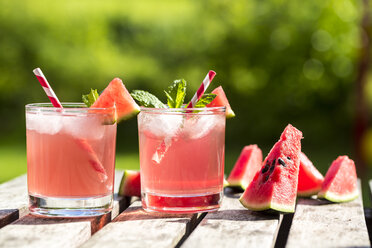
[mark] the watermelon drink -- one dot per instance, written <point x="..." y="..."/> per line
<point x="181" y="158"/>
<point x="70" y="159"/>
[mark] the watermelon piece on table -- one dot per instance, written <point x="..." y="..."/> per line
<point x="275" y="185"/>
<point x="221" y="100"/>
<point x="225" y="183"/>
<point x="130" y="184"/>
<point x="115" y="94"/>
<point x="309" y="178"/>
<point x="245" y="168"/>
<point x="340" y="183"/>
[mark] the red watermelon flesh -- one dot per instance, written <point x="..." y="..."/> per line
<point x="221" y="100"/>
<point x="115" y="94"/>
<point x="340" y="182"/>
<point x="130" y="184"/>
<point x="275" y="185"/>
<point x="309" y="178"/>
<point x="245" y="168"/>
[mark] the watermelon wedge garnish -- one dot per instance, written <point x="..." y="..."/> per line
<point x="130" y="184"/>
<point x="340" y="182"/>
<point x="115" y="94"/>
<point x="309" y="178"/>
<point x="246" y="167"/>
<point x="221" y="100"/>
<point x="275" y="185"/>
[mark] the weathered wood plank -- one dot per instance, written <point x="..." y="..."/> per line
<point x="34" y="231"/>
<point x="14" y="198"/>
<point x="137" y="228"/>
<point x="7" y="216"/>
<point x="318" y="223"/>
<point x="234" y="226"/>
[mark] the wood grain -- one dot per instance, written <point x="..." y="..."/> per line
<point x="8" y="216"/>
<point x="234" y="226"/>
<point x="137" y="228"/>
<point x="14" y="198"/>
<point x="35" y="231"/>
<point x="318" y="223"/>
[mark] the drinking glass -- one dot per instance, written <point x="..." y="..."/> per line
<point x="181" y="158"/>
<point x="70" y="159"/>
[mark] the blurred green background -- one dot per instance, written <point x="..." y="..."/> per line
<point x="279" y="62"/>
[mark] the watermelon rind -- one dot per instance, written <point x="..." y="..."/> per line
<point x="116" y="95"/>
<point x="221" y="100"/>
<point x="308" y="193"/>
<point x="265" y="206"/>
<point x="124" y="184"/>
<point x="330" y="196"/>
<point x="230" y="114"/>
<point x="225" y="183"/>
<point x="276" y="188"/>
<point x="245" y="167"/>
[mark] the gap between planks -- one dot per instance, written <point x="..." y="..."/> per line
<point x="234" y="226"/>
<point x="34" y="231"/>
<point x="138" y="228"/>
<point x="319" y="223"/>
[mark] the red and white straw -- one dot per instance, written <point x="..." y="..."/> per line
<point x="48" y="90"/>
<point x="93" y="158"/>
<point x="207" y="80"/>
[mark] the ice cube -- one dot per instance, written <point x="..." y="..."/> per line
<point x="198" y="126"/>
<point x="84" y="126"/>
<point x="164" y="125"/>
<point x="43" y="123"/>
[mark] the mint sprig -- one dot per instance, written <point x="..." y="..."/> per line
<point x="90" y="99"/>
<point x="204" y="100"/>
<point x="176" y="93"/>
<point x="147" y="99"/>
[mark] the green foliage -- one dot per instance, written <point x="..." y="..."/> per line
<point x="91" y="98"/>
<point x="279" y="61"/>
<point x="204" y="100"/>
<point x="146" y="99"/>
<point x="176" y="93"/>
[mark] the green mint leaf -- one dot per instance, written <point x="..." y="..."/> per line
<point x="176" y="93"/>
<point x="90" y="99"/>
<point x="204" y="100"/>
<point x="147" y="99"/>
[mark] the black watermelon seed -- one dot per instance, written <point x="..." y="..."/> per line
<point x="272" y="168"/>
<point x="267" y="178"/>
<point x="289" y="158"/>
<point x="280" y="161"/>
<point x="264" y="169"/>
<point x="273" y="163"/>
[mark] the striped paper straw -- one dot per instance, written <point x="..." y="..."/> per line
<point x="207" y="80"/>
<point x="93" y="158"/>
<point x="48" y="90"/>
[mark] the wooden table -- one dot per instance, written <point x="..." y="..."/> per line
<point x="314" y="224"/>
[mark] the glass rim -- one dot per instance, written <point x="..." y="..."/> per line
<point x="205" y="110"/>
<point x="68" y="107"/>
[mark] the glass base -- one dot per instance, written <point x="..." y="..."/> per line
<point x="70" y="207"/>
<point x="181" y="204"/>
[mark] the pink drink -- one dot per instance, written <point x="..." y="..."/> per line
<point x="182" y="159"/>
<point x="70" y="160"/>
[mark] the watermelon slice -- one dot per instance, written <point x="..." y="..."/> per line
<point x="225" y="183"/>
<point x="309" y="178"/>
<point x="117" y="95"/>
<point x="275" y="185"/>
<point x="340" y="182"/>
<point x="221" y="100"/>
<point x="130" y="184"/>
<point x="245" y="168"/>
